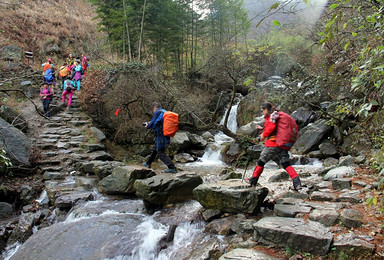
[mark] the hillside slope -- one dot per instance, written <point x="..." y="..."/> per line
<point x="52" y="28"/>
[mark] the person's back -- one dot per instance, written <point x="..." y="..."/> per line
<point x="161" y="141"/>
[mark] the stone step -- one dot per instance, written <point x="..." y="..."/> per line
<point x="53" y="175"/>
<point x="52" y="168"/>
<point x="50" y="162"/>
<point x="296" y="233"/>
<point x="50" y="154"/>
<point x="79" y="123"/>
<point x="45" y="146"/>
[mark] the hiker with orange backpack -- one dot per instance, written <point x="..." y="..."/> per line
<point x="160" y="139"/>
<point x="280" y="131"/>
<point x="64" y="72"/>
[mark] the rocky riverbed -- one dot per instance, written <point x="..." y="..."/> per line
<point x="93" y="207"/>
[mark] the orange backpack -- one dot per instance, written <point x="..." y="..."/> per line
<point x="46" y="66"/>
<point x="63" y="71"/>
<point x="170" y="123"/>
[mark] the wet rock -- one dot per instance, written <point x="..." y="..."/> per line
<point x="27" y="194"/>
<point x="23" y="229"/>
<point x="339" y="172"/>
<point x="322" y="196"/>
<point x="53" y="175"/>
<point x="241" y="253"/>
<point x="341" y="183"/>
<point x="84" y="239"/>
<point x="6" y="210"/>
<point x="234" y="149"/>
<point x="315" y="154"/>
<point x="280" y="175"/>
<point x="209" y="250"/>
<point x="98" y="134"/>
<point x="290" y="211"/>
<point x="327" y="217"/>
<point x="346" y="160"/>
<point x="351" y="218"/>
<point x="103" y="169"/>
<point x="87" y="182"/>
<point x="211" y="214"/>
<point x="183" y="158"/>
<point x="100" y="156"/>
<point x="67" y="201"/>
<point x="16" y="144"/>
<point x="122" y="179"/>
<point x="306" y="236"/>
<point x="231" y="196"/>
<point x="311" y="136"/>
<point x="220" y="226"/>
<point x="229" y="173"/>
<point x="197" y="141"/>
<point x="208" y="136"/>
<point x="328" y="149"/>
<point x="353" y="247"/>
<point x="165" y="189"/>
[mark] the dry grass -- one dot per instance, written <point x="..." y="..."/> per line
<point x="34" y="25"/>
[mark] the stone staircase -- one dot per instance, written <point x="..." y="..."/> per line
<point x="64" y="146"/>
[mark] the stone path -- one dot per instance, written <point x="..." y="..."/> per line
<point x="65" y="144"/>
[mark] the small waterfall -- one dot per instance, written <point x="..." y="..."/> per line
<point x="212" y="155"/>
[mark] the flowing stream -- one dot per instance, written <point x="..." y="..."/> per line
<point x="137" y="235"/>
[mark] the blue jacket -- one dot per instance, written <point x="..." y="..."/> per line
<point x="156" y="124"/>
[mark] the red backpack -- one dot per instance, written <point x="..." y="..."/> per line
<point x="170" y="123"/>
<point x="287" y="131"/>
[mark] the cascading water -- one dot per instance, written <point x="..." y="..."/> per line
<point x="212" y="155"/>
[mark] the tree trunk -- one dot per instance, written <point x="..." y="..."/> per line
<point x="128" y="38"/>
<point x="141" y="30"/>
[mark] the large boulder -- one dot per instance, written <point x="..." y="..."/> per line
<point x="295" y="233"/>
<point x="311" y="136"/>
<point x="11" y="53"/>
<point x="231" y="196"/>
<point x="303" y="116"/>
<point x="242" y="253"/>
<point x="165" y="189"/>
<point x="88" y="238"/>
<point x="16" y="144"/>
<point x="13" y="117"/>
<point x="122" y="179"/>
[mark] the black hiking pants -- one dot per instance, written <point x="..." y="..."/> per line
<point x="162" y="156"/>
<point x="46" y="103"/>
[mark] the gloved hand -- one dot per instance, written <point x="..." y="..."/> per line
<point x="253" y="181"/>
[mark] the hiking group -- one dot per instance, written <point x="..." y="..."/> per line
<point x="70" y="74"/>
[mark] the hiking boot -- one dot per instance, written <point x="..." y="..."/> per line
<point x="253" y="181"/>
<point x="297" y="184"/>
<point x="146" y="165"/>
<point x="171" y="170"/>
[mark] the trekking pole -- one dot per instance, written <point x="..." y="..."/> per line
<point x="246" y="167"/>
<point x="248" y="159"/>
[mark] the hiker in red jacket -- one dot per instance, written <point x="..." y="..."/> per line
<point x="271" y="150"/>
